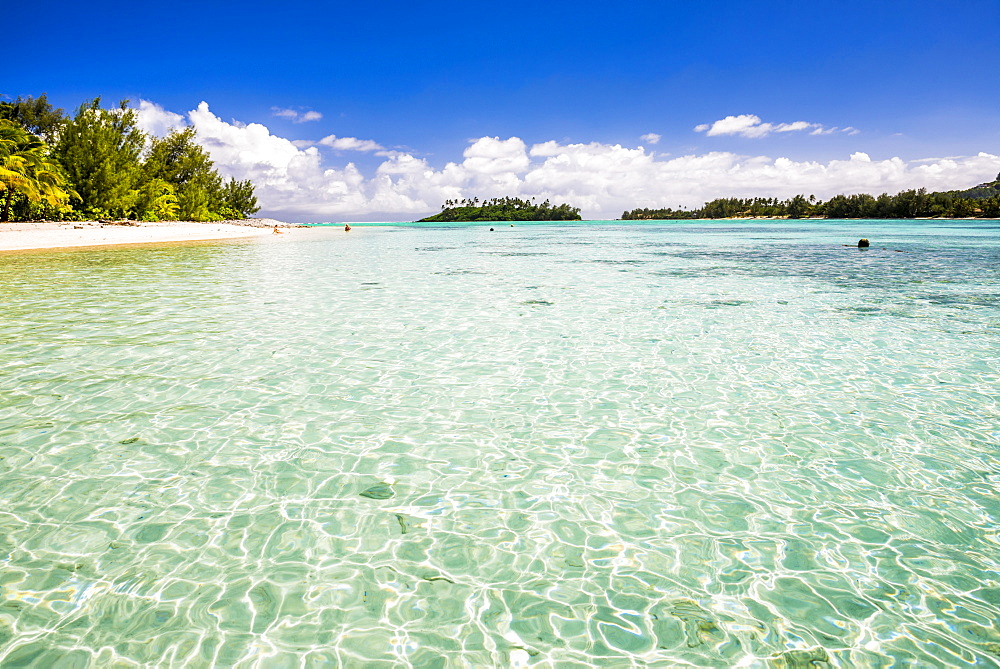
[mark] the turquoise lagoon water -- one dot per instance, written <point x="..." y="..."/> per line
<point x="737" y="444"/>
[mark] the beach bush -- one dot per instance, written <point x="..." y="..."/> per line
<point x="238" y="200"/>
<point x="156" y="200"/>
<point x="28" y="175"/>
<point x="100" y="151"/>
<point x="98" y="164"/>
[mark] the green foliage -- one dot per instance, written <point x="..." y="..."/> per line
<point x="976" y="202"/>
<point x="178" y="160"/>
<point x="502" y="209"/>
<point x="982" y="191"/>
<point x="201" y="195"/>
<point x="22" y="209"/>
<point x="797" y="207"/>
<point x="238" y="200"/>
<point x="100" y="149"/>
<point x="103" y="163"/>
<point x="35" y="115"/>
<point x="27" y="175"/>
<point x="156" y="200"/>
<point x="665" y="214"/>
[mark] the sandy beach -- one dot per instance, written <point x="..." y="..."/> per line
<point x="44" y="235"/>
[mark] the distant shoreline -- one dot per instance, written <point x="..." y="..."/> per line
<point x="46" y="235"/>
<point x="36" y="236"/>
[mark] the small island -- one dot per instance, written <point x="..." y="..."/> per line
<point x="502" y="209"/>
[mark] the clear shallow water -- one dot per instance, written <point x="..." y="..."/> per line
<point x="652" y="445"/>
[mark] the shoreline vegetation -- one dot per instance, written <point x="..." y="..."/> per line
<point x="982" y="201"/>
<point x="98" y="164"/>
<point x="501" y="209"/>
<point x="97" y="167"/>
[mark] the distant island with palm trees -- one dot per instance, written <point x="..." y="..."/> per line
<point x="982" y="201"/>
<point x="502" y="209"/>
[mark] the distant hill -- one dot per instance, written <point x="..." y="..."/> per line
<point x="980" y="192"/>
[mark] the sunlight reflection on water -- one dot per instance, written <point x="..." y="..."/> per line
<point x="597" y="444"/>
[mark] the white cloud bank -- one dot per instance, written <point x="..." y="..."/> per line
<point x="750" y="125"/>
<point x="293" y="183"/>
<point x="157" y="121"/>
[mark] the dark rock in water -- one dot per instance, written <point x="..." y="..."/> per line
<point x="378" y="491"/>
<point x="862" y="243"/>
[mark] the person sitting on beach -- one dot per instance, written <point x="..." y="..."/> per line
<point x="276" y="230"/>
<point x="347" y="227"/>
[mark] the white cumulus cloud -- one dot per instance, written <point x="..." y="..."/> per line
<point x="157" y="121"/>
<point x="651" y="138"/>
<point x="751" y="125"/>
<point x="296" y="116"/>
<point x="293" y="182"/>
<point x="350" y="143"/>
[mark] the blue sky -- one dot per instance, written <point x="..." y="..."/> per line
<point x="918" y="81"/>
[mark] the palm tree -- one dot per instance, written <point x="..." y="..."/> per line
<point x="26" y="169"/>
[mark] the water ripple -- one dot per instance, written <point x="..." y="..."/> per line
<point x="562" y="446"/>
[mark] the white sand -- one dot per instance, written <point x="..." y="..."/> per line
<point x="48" y="235"/>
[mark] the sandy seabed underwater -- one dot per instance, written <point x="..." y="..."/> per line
<point x="730" y="444"/>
